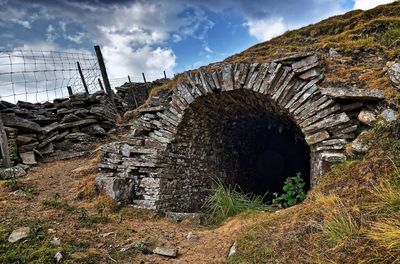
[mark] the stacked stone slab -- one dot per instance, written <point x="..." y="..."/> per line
<point x="327" y="117"/>
<point x="56" y="130"/>
<point x="134" y="94"/>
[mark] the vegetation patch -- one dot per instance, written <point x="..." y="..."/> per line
<point x="228" y="201"/>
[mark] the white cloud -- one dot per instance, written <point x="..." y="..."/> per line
<point x="176" y="38"/>
<point x="51" y="34"/>
<point x="24" y="23"/>
<point x="77" y="38"/>
<point x="368" y="4"/>
<point x="124" y="60"/>
<point x="265" y="29"/>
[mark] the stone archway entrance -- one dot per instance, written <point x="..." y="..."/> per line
<point x="236" y="137"/>
<point x="248" y="124"/>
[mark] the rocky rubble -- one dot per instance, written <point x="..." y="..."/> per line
<point x="56" y="130"/>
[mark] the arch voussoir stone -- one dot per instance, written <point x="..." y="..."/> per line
<point x="286" y="91"/>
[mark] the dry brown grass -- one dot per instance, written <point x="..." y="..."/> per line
<point x="365" y="39"/>
<point x="133" y="114"/>
<point x="352" y="216"/>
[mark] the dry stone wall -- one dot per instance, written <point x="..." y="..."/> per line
<point x="65" y="128"/>
<point x="203" y="128"/>
<point x="134" y="94"/>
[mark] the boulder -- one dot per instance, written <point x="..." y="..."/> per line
<point x="360" y="144"/>
<point x="191" y="236"/>
<point x="389" y="115"/>
<point x="394" y="75"/>
<point x="367" y="117"/>
<point x="167" y="252"/>
<point x="120" y="189"/>
<point x="55" y="241"/>
<point x="19" y="234"/>
<point x="333" y="53"/>
<point x="58" y="257"/>
<point x="232" y="250"/>
<point x="13" y="172"/>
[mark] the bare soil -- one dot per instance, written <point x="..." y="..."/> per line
<point x="61" y="197"/>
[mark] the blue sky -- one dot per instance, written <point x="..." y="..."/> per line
<point x="157" y="35"/>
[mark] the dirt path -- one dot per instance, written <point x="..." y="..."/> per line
<point x="60" y="197"/>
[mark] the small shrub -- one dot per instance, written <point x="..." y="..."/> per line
<point x="294" y="191"/>
<point x="227" y="201"/>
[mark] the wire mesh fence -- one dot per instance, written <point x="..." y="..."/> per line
<point x="39" y="76"/>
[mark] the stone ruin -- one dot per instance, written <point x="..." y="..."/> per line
<point x="247" y="124"/>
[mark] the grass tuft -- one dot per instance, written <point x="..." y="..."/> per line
<point x="227" y="201"/>
<point x="340" y="226"/>
<point x="387" y="235"/>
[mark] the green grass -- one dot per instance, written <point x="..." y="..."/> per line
<point x="59" y="205"/>
<point x="227" y="201"/>
<point x="13" y="184"/>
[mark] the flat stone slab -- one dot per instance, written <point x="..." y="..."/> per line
<point x="21" y="123"/>
<point x="333" y="157"/>
<point x="28" y="158"/>
<point x="19" y="234"/>
<point x="352" y="93"/>
<point x="167" y="252"/>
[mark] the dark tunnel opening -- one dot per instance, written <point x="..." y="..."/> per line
<point x="239" y="137"/>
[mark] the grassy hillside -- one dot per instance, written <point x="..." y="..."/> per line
<point x="353" y="216"/>
<point x="366" y="41"/>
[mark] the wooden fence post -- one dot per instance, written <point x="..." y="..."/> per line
<point x="4" y="145"/>
<point x="82" y="77"/>
<point x="104" y="75"/>
<point x="165" y="75"/>
<point x="101" y="85"/>
<point x="132" y="92"/>
<point x="144" y="78"/>
<point x="70" y="93"/>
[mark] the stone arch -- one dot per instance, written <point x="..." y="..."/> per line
<point x="291" y="90"/>
<point x="287" y="88"/>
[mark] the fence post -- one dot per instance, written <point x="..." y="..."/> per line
<point x="132" y="92"/>
<point x="4" y="145"/>
<point x="70" y="93"/>
<point x="103" y="70"/>
<point x="165" y="75"/>
<point x="82" y="77"/>
<point x="101" y="85"/>
<point x="144" y="78"/>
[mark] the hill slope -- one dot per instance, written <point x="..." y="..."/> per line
<point x="364" y="41"/>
